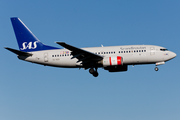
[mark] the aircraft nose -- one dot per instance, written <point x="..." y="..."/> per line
<point x="173" y="55"/>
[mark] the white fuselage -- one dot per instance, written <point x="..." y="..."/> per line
<point x="131" y="54"/>
<point x="112" y="58"/>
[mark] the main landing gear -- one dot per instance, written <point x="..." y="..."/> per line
<point x="93" y="72"/>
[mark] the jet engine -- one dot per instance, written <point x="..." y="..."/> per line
<point x="116" y="68"/>
<point x="112" y="61"/>
<point x="114" y="64"/>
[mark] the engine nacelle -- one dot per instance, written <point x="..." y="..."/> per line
<point x="116" y="68"/>
<point x="112" y="61"/>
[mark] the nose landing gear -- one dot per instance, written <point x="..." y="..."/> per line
<point x="93" y="72"/>
<point x="158" y="63"/>
<point x="156" y="69"/>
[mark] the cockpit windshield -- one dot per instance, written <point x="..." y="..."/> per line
<point x="163" y="49"/>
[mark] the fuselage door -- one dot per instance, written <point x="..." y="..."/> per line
<point x="45" y="57"/>
<point x="152" y="51"/>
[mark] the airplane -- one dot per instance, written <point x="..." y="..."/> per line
<point x="111" y="58"/>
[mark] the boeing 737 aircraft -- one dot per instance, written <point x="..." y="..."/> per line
<point x="113" y="58"/>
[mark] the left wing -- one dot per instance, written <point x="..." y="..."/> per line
<point x="82" y="55"/>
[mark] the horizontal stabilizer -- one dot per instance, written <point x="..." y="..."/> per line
<point x="17" y="52"/>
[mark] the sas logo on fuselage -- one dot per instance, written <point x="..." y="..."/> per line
<point x="29" y="45"/>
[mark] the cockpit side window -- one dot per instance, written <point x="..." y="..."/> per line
<point x="163" y="49"/>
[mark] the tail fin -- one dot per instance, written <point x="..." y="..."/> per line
<point x="27" y="41"/>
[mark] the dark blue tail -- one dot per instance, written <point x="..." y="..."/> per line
<point x="27" y="41"/>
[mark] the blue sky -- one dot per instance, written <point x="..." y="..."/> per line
<point x="30" y="91"/>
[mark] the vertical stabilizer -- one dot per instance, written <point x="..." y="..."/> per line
<point x="27" y="41"/>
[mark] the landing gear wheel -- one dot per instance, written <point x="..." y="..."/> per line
<point x="95" y="74"/>
<point x="156" y="68"/>
<point x="91" y="70"/>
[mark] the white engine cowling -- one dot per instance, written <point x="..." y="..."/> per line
<point x="112" y="61"/>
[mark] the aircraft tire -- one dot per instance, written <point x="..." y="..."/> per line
<point x="91" y="70"/>
<point x="156" y="68"/>
<point x="95" y="74"/>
